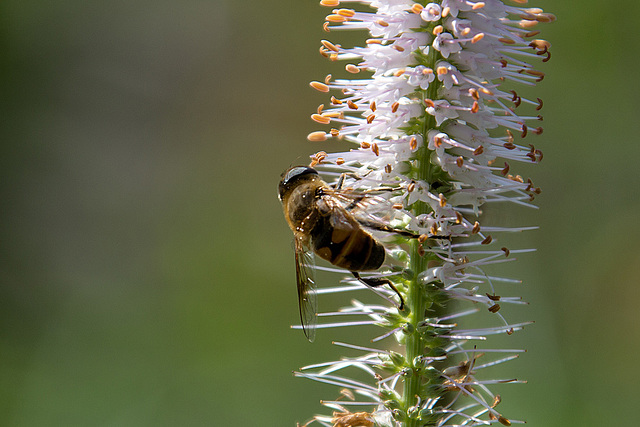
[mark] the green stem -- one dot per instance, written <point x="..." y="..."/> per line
<point x="418" y="301"/>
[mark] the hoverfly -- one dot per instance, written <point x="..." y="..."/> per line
<point x="323" y="223"/>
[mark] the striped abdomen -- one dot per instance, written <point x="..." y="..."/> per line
<point x="345" y="244"/>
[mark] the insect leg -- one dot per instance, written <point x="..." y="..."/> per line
<point x="404" y="233"/>
<point x="376" y="282"/>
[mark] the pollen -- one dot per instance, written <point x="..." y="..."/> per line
<point x="478" y="5"/>
<point x="417" y="8"/>
<point x="510" y="136"/>
<point x="347" y="13"/>
<point x="330" y="3"/>
<point x="317" y="136"/>
<point x="526" y="23"/>
<point x="338" y="19"/>
<point x="477" y="38"/>
<point x="329" y="45"/>
<point x="485" y="91"/>
<point x="321" y="87"/>
<point x="352" y="69"/>
<point x="321" y="119"/>
<point x="476" y="228"/>
<point x="504" y="421"/>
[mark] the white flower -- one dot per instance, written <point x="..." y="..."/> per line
<point x="437" y="122"/>
<point x="431" y="12"/>
<point x="446" y="44"/>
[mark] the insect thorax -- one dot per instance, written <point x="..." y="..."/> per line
<point x="301" y="207"/>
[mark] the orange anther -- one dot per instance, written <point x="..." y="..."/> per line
<point x="319" y="86"/>
<point x="477" y="38"/>
<point x="320" y="119"/>
<point x="347" y="13"/>
<point x="340" y="19"/>
<point x="329" y="45"/>
<point x="352" y="69"/>
<point x="317" y="136"/>
<point x="476" y="228"/>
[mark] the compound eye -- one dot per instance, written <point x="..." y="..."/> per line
<point x="294" y="175"/>
<point x="297" y="172"/>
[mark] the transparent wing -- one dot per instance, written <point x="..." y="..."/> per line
<point x="306" y="284"/>
<point x="367" y="208"/>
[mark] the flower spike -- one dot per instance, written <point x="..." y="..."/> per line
<point x="435" y="126"/>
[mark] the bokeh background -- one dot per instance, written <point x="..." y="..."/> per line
<point x="146" y="271"/>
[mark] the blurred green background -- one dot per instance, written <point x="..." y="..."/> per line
<point x="147" y="273"/>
